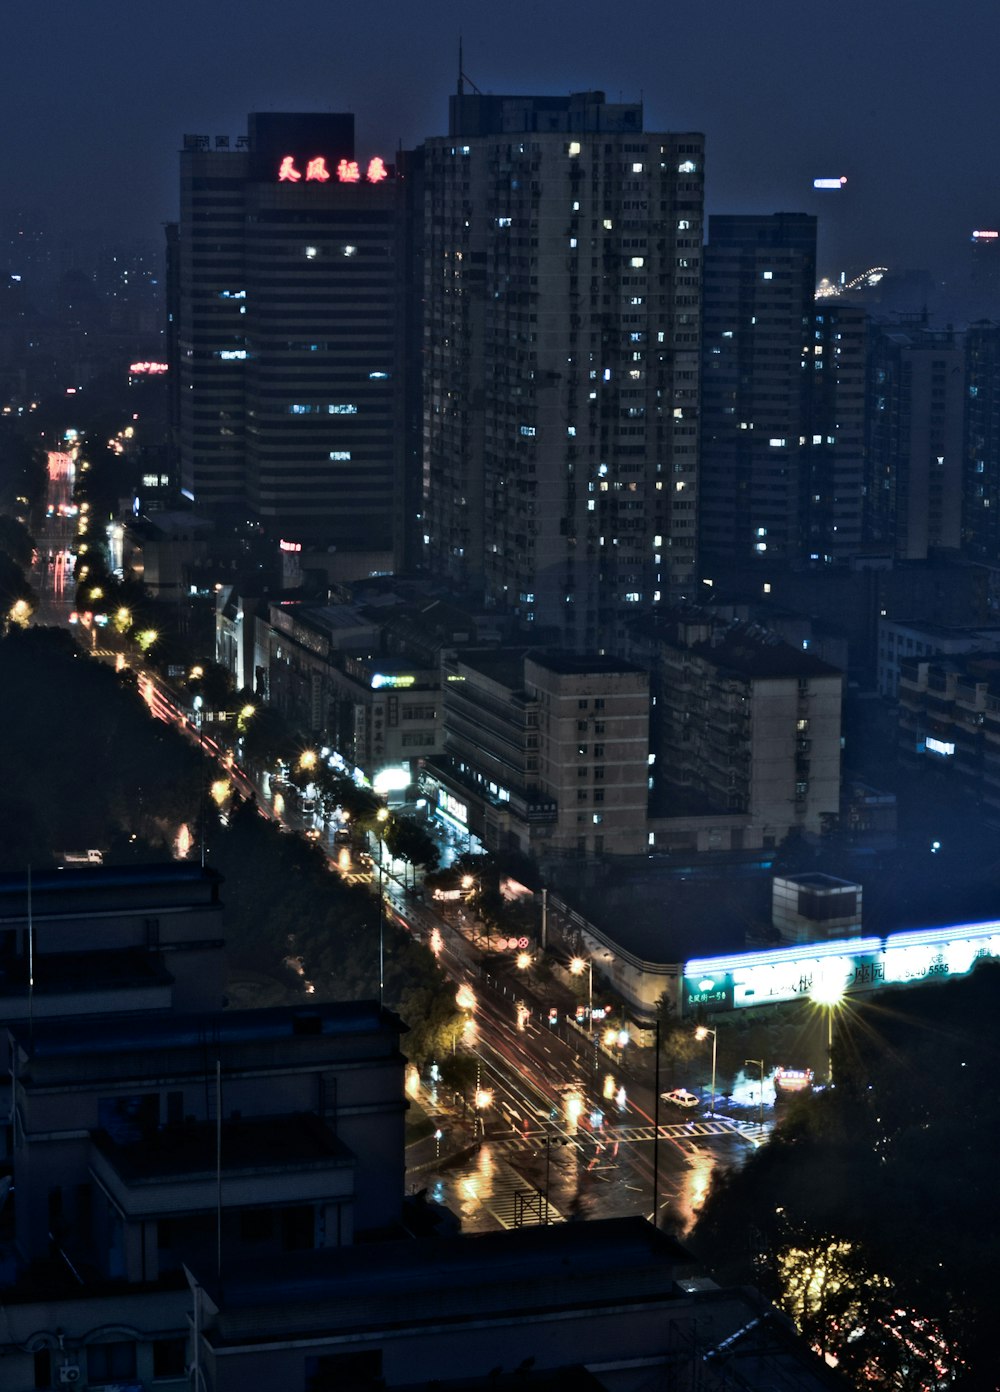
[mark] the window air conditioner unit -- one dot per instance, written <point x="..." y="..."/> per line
<point x="70" y="1375"/>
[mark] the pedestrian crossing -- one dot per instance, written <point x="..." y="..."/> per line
<point x="676" y="1131"/>
<point x="516" y="1204"/>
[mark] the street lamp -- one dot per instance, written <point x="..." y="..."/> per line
<point x="702" y="1032"/>
<point x="828" y="991"/>
<point x="760" y="1104"/>
<point x="577" y="967"/>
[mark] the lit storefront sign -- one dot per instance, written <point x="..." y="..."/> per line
<point x="936" y="746"/>
<point x="854" y="965"/>
<point x="381" y="680"/>
<point x="347" y="171"/>
<point x="395" y="779"/>
<point x="449" y="804"/>
<point x="151" y="369"/>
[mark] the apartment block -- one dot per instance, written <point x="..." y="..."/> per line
<point x="561" y="359"/>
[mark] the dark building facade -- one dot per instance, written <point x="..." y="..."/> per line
<point x="761" y="356"/>
<point x="981" y="493"/>
<point x="913" y="493"/>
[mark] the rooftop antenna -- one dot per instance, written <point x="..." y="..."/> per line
<point x="463" y="77"/>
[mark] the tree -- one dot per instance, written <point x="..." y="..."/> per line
<point x="408" y="840"/>
<point x="830" y="1219"/>
<point x="16" y="542"/>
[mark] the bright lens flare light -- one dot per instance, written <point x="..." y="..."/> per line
<point x="484" y="1098"/>
<point x="219" y="791"/>
<point x="465" y="997"/>
<point x="573" y="1109"/>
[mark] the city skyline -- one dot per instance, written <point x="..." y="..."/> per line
<point x="783" y="96"/>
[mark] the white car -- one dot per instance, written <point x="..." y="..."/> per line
<point x="680" y="1097"/>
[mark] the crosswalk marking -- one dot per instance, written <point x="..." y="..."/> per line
<point x="678" y="1131"/>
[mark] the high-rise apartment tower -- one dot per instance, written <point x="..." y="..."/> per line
<point x="561" y="359"/>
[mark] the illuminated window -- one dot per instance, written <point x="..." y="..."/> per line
<point x="768" y="275"/>
<point x="342" y="409"/>
<point x="340" y="455"/>
<point x="637" y="168"/>
<point x="574" y="148"/>
<point x="688" y="167"/>
<point x="637" y="261"/>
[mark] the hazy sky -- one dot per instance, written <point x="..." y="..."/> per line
<point x="899" y="95"/>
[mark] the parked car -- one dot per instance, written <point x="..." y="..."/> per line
<point x="342" y="837"/>
<point x="680" y="1097"/>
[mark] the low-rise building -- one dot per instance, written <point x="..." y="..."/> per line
<point x="544" y="752"/>
<point x="144" y="1144"/>
<point x="745" y="735"/>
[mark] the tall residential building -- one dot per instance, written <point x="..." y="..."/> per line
<point x="561" y="359"/>
<point x="761" y="355"/>
<point x="981" y="492"/>
<point x="836" y="447"/>
<point x="915" y="446"/>
<point x="287" y="311"/>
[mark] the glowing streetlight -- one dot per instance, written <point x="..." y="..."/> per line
<point x="308" y="759"/>
<point x="523" y="960"/>
<point x="702" y="1032"/>
<point x="147" y="638"/>
<point x="828" y="991"/>
<point x="578" y="966"/>
<point x="219" y="791"/>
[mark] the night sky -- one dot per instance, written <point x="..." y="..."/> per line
<point x="899" y="95"/>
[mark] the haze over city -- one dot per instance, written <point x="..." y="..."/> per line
<point x="897" y="97"/>
<point x="499" y="697"/>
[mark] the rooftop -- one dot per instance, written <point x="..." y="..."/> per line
<point x="55" y="1038"/>
<point x="288" y="1142"/>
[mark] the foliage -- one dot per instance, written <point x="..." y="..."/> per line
<point x="289" y="916"/>
<point x="16" y="541"/>
<point x="831" y="1217"/>
<point x="77" y="745"/>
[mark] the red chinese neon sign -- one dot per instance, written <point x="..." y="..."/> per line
<point x="348" y="171"/>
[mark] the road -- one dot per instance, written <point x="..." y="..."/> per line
<point x="574" y="1123"/>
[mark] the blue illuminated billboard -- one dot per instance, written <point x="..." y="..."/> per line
<point x="849" y="966"/>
